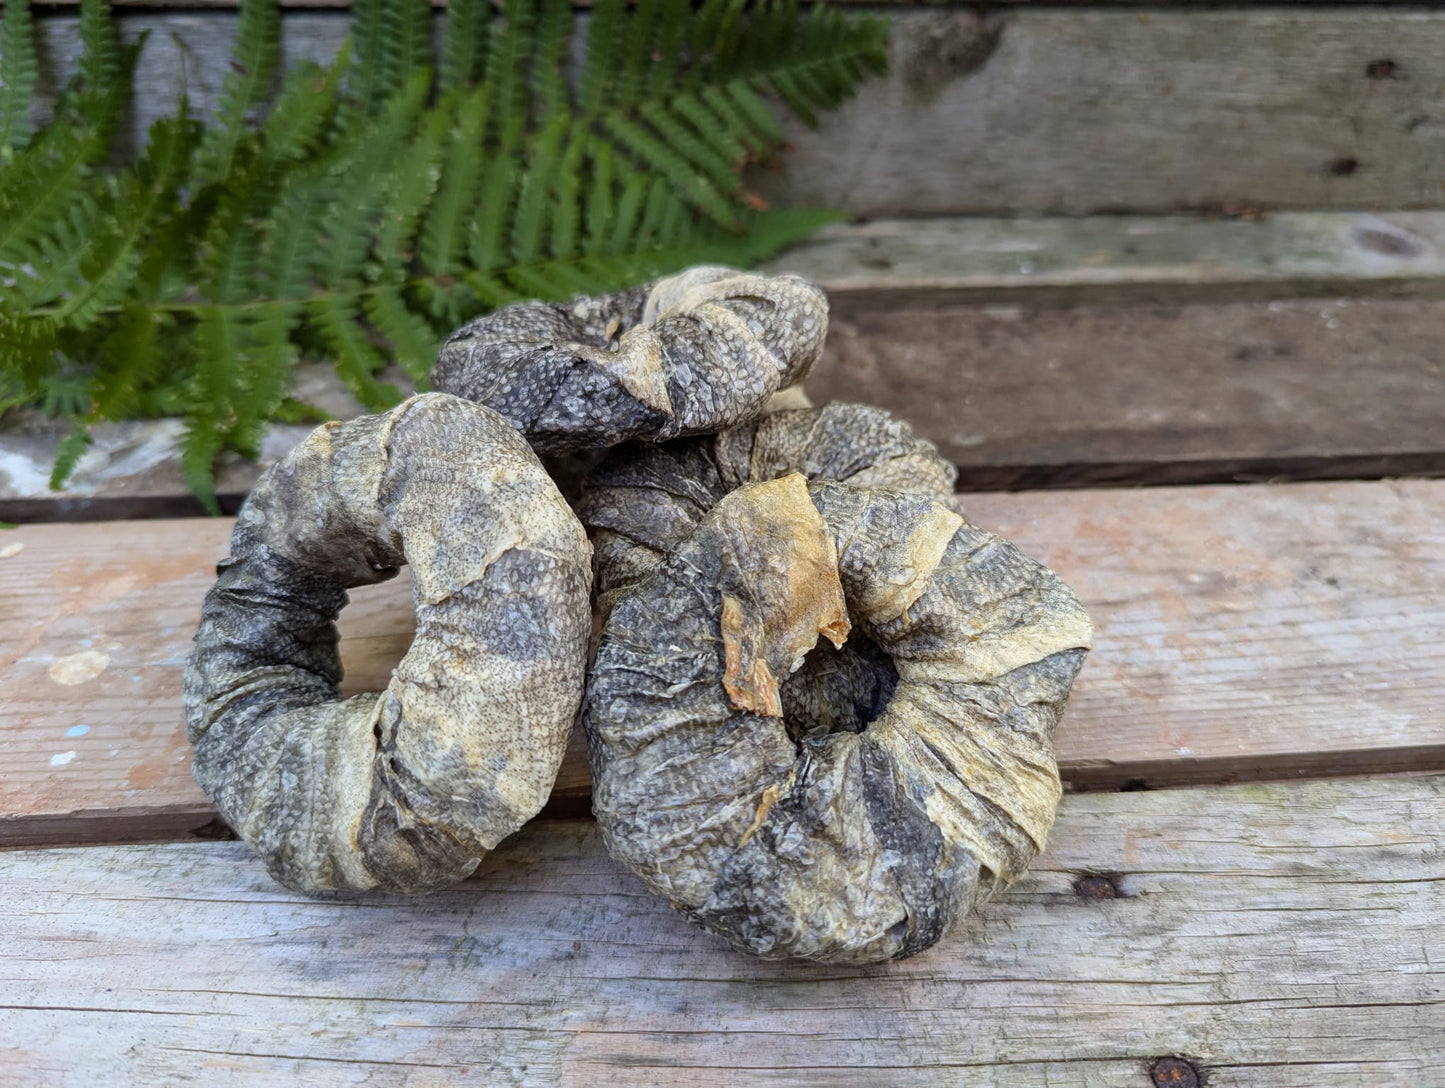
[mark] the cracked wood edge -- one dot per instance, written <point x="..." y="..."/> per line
<point x="1242" y="633"/>
<point x="1270" y="935"/>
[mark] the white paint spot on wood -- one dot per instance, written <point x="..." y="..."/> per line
<point x="79" y="668"/>
<point x="9" y="550"/>
<point x="60" y="759"/>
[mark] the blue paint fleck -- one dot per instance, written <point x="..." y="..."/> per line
<point x="77" y="731"/>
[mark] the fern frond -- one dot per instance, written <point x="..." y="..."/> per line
<point x="567" y="194"/>
<point x="605" y="38"/>
<point x="631" y="79"/>
<point x="305" y="106"/>
<point x="72" y="449"/>
<point x="486" y="247"/>
<point x="130" y="360"/>
<point x="268" y="354"/>
<point x="368" y="47"/>
<point x="406" y="37"/>
<point x="357" y="360"/>
<point x="536" y="191"/>
<point x="18" y="69"/>
<point x="511" y="46"/>
<point x="464" y="54"/>
<point x="443" y="234"/>
<point x="253" y="68"/>
<point x="356" y="182"/>
<point x="599" y="198"/>
<point x="145" y="194"/>
<point x="698" y="152"/>
<point x="414" y="341"/>
<point x="656" y="156"/>
<point x="549" y="57"/>
<point x="413" y="180"/>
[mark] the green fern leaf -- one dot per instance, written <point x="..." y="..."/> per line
<point x="599" y="208"/>
<point x="443" y="234"/>
<point x="605" y="42"/>
<point x="657" y="156"/>
<point x="700" y="155"/>
<point x="536" y="191"/>
<point x="549" y="56"/>
<point x="406" y="37"/>
<point x="253" y="68"/>
<point x="464" y="56"/>
<point x="357" y="360"/>
<point x="72" y="449"/>
<point x="414" y="342"/>
<point x="146" y="193"/>
<point x="18" y="70"/>
<point x="486" y="245"/>
<point x="511" y="47"/>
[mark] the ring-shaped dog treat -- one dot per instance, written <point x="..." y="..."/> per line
<point x="861" y="842"/>
<point x="405" y="789"/>
<point x="694" y="353"/>
<point x="643" y="499"/>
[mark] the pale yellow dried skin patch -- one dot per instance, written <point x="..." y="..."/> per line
<point x="787" y="591"/>
<point x="79" y="668"/>
<point x="637" y="364"/>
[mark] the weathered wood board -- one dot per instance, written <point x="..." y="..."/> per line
<point x="1269" y="935"/>
<point x="1069" y="110"/>
<point x="1242" y="632"/>
<point x="1090" y="395"/>
<point x="1016" y="396"/>
<point x="1124" y="258"/>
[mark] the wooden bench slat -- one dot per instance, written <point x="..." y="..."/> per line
<point x="1272" y="935"/>
<point x="1244" y="632"/>
<point x="1017" y="396"/>
<point x="1039" y="111"/>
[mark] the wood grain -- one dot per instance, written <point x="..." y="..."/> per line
<point x="1038" y="110"/>
<point x="1124" y="258"/>
<point x="1017" y="396"/>
<point x="1271" y="935"/>
<point x="1243" y="632"/>
<point x="1091" y="395"/>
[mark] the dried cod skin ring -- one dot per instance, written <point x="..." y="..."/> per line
<point x="643" y="499"/>
<point x="405" y="789"/>
<point x="867" y="841"/>
<point x="691" y="354"/>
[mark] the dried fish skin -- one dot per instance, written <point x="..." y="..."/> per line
<point x="837" y="846"/>
<point x="644" y="499"/>
<point x="690" y="354"/>
<point x="405" y="789"/>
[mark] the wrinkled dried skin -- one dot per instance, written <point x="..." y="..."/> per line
<point x="690" y="354"/>
<point x="407" y="788"/>
<point x="643" y="500"/>
<point x="863" y="834"/>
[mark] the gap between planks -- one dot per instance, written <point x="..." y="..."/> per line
<point x="1243" y="632"/>
<point x="1273" y="936"/>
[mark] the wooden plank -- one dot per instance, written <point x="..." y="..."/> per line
<point x="1125" y="258"/>
<point x="1243" y="632"/>
<point x="1101" y="395"/>
<point x="1267" y="936"/>
<point x="1038" y="110"/>
<point x="1016" y="396"/>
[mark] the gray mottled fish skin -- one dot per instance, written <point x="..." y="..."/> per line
<point x="405" y="789"/>
<point x="818" y="842"/>
<point x="689" y="354"/>
<point x="643" y="499"/>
